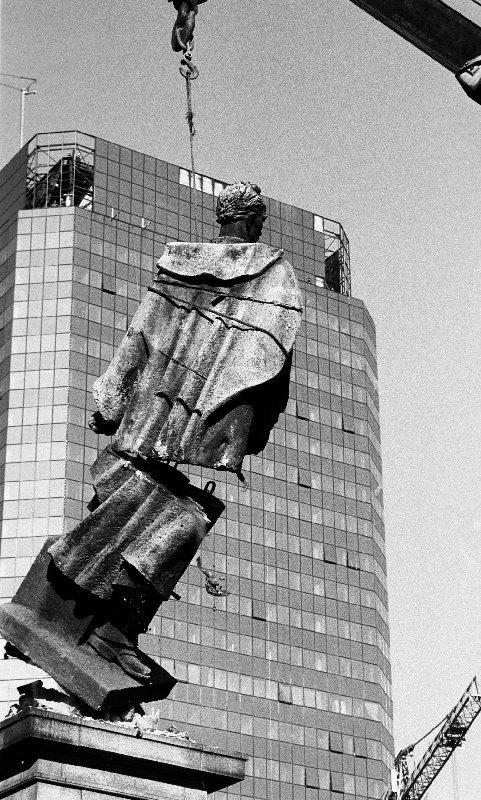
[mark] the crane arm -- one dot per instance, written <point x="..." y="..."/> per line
<point x="450" y="736"/>
<point x="434" y="27"/>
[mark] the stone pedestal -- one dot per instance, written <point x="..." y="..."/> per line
<point x="50" y="756"/>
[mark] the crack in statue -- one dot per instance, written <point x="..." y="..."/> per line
<point x="200" y="377"/>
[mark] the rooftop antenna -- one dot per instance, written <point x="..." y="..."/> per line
<point x="25" y="91"/>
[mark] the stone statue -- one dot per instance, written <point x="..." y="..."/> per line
<point x="199" y="378"/>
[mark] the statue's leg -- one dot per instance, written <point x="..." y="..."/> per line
<point x="133" y="548"/>
<point x="131" y="609"/>
<point x="164" y="536"/>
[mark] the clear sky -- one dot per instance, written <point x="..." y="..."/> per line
<point x="327" y="109"/>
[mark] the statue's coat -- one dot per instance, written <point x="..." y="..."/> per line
<point x="203" y="371"/>
<point x="152" y="522"/>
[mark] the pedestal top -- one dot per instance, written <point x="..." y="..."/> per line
<point x="47" y="735"/>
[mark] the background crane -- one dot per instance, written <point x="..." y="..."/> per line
<point x="411" y="781"/>
<point x="454" y="41"/>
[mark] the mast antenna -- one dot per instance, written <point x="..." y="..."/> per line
<point x="25" y="91"/>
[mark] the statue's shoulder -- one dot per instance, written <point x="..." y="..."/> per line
<point x="219" y="262"/>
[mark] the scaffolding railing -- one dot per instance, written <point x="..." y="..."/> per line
<point x="60" y="170"/>
<point x="336" y="254"/>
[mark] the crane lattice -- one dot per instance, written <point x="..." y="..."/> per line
<point x="413" y="784"/>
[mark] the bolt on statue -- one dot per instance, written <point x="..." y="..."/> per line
<point x="200" y="377"/>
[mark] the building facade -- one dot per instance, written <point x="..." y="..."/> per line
<point x="292" y="666"/>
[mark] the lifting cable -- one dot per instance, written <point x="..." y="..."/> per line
<point x="183" y="41"/>
<point x="189" y="71"/>
<point x="454" y="769"/>
<point x="413" y="746"/>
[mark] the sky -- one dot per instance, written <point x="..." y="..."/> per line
<point x="325" y="108"/>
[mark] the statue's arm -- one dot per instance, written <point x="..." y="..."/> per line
<point x="113" y="389"/>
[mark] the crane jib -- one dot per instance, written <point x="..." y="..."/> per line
<point x="434" y="27"/>
<point x="413" y="785"/>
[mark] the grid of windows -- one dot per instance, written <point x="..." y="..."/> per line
<point x="292" y="667"/>
<point x="13" y="188"/>
<point x="33" y="456"/>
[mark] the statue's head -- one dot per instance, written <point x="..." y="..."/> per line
<point x="242" y="203"/>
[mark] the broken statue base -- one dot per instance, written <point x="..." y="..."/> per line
<point x="45" y="755"/>
<point x="48" y="627"/>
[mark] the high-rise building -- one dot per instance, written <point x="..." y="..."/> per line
<point x="292" y="667"/>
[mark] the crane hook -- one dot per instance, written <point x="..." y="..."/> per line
<point x="187" y="68"/>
